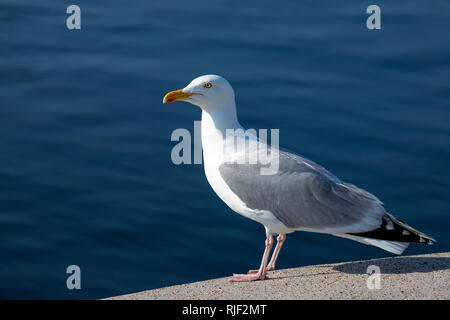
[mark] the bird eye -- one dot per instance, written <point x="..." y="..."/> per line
<point x="207" y="85"/>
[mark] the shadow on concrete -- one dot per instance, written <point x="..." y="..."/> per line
<point x="397" y="265"/>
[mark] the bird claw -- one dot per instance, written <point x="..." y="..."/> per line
<point x="269" y="268"/>
<point x="247" y="277"/>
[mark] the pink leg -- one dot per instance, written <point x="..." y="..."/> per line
<point x="280" y="240"/>
<point x="261" y="273"/>
<point x="271" y="266"/>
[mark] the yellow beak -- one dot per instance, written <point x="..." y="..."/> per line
<point x="176" y="95"/>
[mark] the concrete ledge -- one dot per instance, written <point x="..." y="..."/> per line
<point x="403" y="277"/>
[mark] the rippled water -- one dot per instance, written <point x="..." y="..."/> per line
<point x="85" y="170"/>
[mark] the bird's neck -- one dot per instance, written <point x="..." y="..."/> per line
<point x="214" y="129"/>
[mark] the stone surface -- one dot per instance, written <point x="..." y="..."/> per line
<point x="403" y="277"/>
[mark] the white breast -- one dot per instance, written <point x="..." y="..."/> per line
<point x="213" y="156"/>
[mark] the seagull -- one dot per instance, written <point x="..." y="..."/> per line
<point x="300" y="196"/>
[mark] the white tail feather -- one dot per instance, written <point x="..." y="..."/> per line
<point x="391" y="246"/>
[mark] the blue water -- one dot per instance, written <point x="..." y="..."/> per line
<point x="85" y="170"/>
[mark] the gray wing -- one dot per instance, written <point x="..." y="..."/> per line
<point x="304" y="195"/>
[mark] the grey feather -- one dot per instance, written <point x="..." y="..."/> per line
<point x="304" y="195"/>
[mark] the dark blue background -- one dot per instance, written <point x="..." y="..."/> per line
<point x="85" y="170"/>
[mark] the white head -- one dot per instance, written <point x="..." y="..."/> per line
<point x="208" y="92"/>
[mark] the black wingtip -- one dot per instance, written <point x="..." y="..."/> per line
<point x="393" y="229"/>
